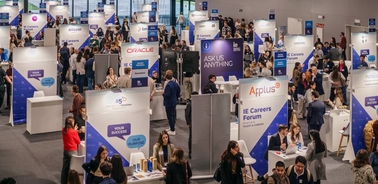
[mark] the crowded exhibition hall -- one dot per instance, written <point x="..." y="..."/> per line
<point x="188" y="91"/>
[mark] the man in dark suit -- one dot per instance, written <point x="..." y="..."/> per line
<point x="316" y="109"/>
<point x="278" y="141"/>
<point x="318" y="79"/>
<point x="171" y="94"/>
<point x="290" y="102"/>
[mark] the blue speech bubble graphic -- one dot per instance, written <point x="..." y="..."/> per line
<point x="371" y="58"/>
<point x="48" y="81"/>
<point x="136" y="141"/>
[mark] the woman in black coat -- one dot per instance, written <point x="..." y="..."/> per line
<point x="178" y="171"/>
<point x="92" y="167"/>
<point x="232" y="163"/>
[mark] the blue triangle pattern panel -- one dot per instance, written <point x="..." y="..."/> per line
<point x="14" y="22"/>
<point x="37" y="37"/>
<point x="86" y="42"/>
<point x="256" y="42"/>
<point x="111" y="20"/>
<point x="132" y="39"/>
<point x="359" y="119"/>
<point x="94" y="140"/>
<point x="355" y="59"/>
<point x="261" y="165"/>
<point x="191" y="33"/>
<point x="306" y="62"/>
<point x="22" y="90"/>
<point x="155" y="67"/>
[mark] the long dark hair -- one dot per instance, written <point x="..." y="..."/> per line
<point x="118" y="173"/>
<point x="362" y="158"/>
<point x="293" y="136"/>
<point x="68" y="124"/>
<point x="178" y="156"/>
<point x="227" y="155"/>
<point x="79" y="56"/>
<point x="335" y="73"/>
<point x="73" y="177"/>
<point x="160" y="139"/>
<point x="108" y="72"/>
<point x="99" y="151"/>
<point x="319" y="144"/>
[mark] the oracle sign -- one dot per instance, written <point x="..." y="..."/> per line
<point x="140" y="50"/>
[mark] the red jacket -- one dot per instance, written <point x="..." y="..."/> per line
<point x="70" y="140"/>
<point x="343" y="42"/>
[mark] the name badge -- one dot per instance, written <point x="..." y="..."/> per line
<point x="300" y="181"/>
<point x="161" y="153"/>
<point x="342" y="70"/>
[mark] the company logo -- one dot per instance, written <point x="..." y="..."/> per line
<point x="74" y="29"/>
<point x="299" y="43"/>
<point x="264" y="90"/>
<point x="202" y="25"/>
<point x="236" y="47"/>
<point x="142" y="29"/>
<point x="34" y="18"/>
<point x="206" y="45"/>
<point x="121" y="100"/>
<point x="140" y="50"/>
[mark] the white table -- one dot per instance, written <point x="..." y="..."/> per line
<point x="81" y="150"/>
<point x="234" y="131"/>
<point x="157" y="107"/>
<point x="275" y="156"/>
<point x="334" y="121"/>
<point x="228" y="87"/>
<point x="44" y="114"/>
<point x="154" y="177"/>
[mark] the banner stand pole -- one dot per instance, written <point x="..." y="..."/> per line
<point x="11" y="112"/>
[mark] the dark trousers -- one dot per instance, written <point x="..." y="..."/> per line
<point x="65" y="69"/>
<point x="332" y="95"/>
<point x="171" y="116"/>
<point x="344" y="89"/>
<point x="317" y="182"/>
<point x="9" y="92"/>
<point x="314" y="127"/>
<point x="66" y="165"/>
<point x="126" y="36"/>
<point x="295" y="95"/>
<point x="80" y="83"/>
<point x="74" y="76"/>
<point x="2" y="93"/>
<point x="343" y="55"/>
<point x="190" y="140"/>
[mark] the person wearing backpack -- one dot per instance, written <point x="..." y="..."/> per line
<point x="210" y="86"/>
<point x="279" y="176"/>
<point x="298" y="173"/>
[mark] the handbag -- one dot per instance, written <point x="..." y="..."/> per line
<point x="217" y="174"/>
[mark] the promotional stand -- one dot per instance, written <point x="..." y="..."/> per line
<point x="263" y="29"/>
<point x="363" y="44"/>
<point x="262" y="107"/>
<point x="119" y="120"/>
<point x="140" y="51"/>
<point x="279" y="63"/>
<point x="195" y="16"/>
<point x="147" y="16"/>
<point x="96" y="20"/>
<point x="102" y="63"/>
<point x="13" y="14"/>
<point x="211" y="132"/>
<point x="77" y="36"/>
<point x="37" y="73"/>
<point x="56" y="11"/>
<point x="205" y="30"/>
<point x="35" y="23"/>
<point x="299" y="49"/>
<point x="144" y="32"/>
<point x="109" y="14"/>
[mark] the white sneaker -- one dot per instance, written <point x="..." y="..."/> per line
<point x="168" y="129"/>
<point x="171" y="133"/>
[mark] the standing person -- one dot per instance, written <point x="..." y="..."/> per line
<point x="279" y="176"/>
<point x="344" y="70"/>
<point x="125" y="31"/>
<point x="77" y="100"/>
<point x="73" y="64"/>
<point x="333" y="53"/>
<point x="118" y="173"/>
<point x="210" y="86"/>
<point x="173" y="36"/>
<point x="3" y="76"/>
<point x="163" y="150"/>
<point x="171" y="94"/>
<point x="59" y="69"/>
<point x="301" y="89"/>
<point x="125" y="80"/>
<point x="181" y="21"/>
<point x="164" y="33"/>
<point x="80" y="122"/>
<point x="225" y="29"/>
<point x="188" y="118"/>
<point x="316" y="151"/>
<point x="316" y="110"/>
<point x="362" y="170"/>
<point x="308" y="94"/>
<point x="65" y="54"/>
<point x="178" y="171"/>
<point x="298" y="173"/>
<point x="248" y="56"/>
<point x="363" y="62"/>
<point x="188" y="84"/>
<point x="278" y="141"/>
<point x="70" y="143"/>
<point x="337" y="80"/>
<point x="89" y="73"/>
<point x="296" y="77"/>
<point x="80" y="71"/>
<point x="134" y="18"/>
<point x="290" y="102"/>
<point x="106" y="169"/>
<point x="373" y="158"/>
<point x="232" y="162"/>
<point x="318" y="79"/>
<point x="92" y="167"/>
<point x="9" y="73"/>
<point x="320" y="54"/>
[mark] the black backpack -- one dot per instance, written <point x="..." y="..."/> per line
<point x="265" y="181"/>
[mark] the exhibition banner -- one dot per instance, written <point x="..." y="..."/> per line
<point x="119" y="120"/>
<point x="61" y="11"/>
<point x="42" y="8"/>
<point x="13" y="12"/>
<point x="96" y="20"/>
<point x="100" y="7"/>
<point x="154" y="6"/>
<point x="364" y="102"/>
<point x="143" y="32"/>
<point x="363" y="44"/>
<point x="204" y="5"/>
<point x="84" y="17"/>
<point x="35" y="23"/>
<point x="146" y="16"/>
<point x="195" y="16"/>
<point x="262" y="107"/>
<point x="205" y="30"/>
<point x="299" y="49"/>
<point x="4" y="38"/>
<point x="76" y="36"/>
<point x="4" y="19"/>
<point x="140" y="51"/>
<point x="109" y="14"/>
<point x="308" y="27"/>
<point x="263" y="29"/>
<point x="140" y="73"/>
<point x="36" y="73"/>
<point x="48" y="5"/>
<point x="221" y="58"/>
<point x="214" y="14"/>
<point x="280" y="62"/>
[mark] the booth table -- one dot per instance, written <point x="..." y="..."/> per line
<point x="155" y="177"/>
<point x="157" y="107"/>
<point x="228" y="87"/>
<point x="334" y="121"/>
<point x="44" y="114"/>
<point x="275" y="156"/>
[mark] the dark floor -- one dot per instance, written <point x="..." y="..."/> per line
<point x="37" y="159"/>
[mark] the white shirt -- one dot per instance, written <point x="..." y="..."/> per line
<point x="297" y="140"/>
<point x="72" y="61"/>
<point x="80" y="67"/>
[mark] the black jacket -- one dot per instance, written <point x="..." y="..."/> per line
<point x="92" y="166"/>
<point x="318" y="79"/>
<point x="304" y="177"/>
<point x="176" y="173"/>
<point x="188" y="113"/>
<point x="275" y="144"/>
<point x="226" y="170"/>
<point x="316" y="110"/>
<point x="210" y="88"/>
<point x="234" y="99"/>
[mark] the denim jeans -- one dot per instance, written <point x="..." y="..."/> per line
<point x="80" y="82"/>
<point x="171" y="116"/>
<point x="90" y="86"/>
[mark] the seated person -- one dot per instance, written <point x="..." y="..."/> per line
<point x="339" y="99"/>
<point x="106" y="169"/>
<point x="94" y="41"/>
<point x="210" y="86"/>
<point x="298" y="173"/>
<point x="295" y="136"/>
<point x="163" y="150"/>
<point x="278" y="141"/>
<point x="279" y="175"/>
